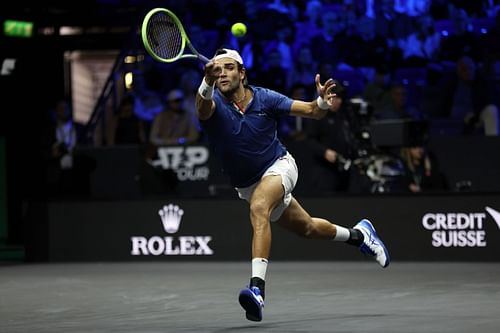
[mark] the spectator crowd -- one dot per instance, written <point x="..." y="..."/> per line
<point x="433" y="62"/>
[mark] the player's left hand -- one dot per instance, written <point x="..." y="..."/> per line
<point x="324" y="90"/>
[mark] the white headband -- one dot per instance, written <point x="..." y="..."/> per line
<point x="230" y="54"/>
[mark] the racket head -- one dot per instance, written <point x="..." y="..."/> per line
<point x="163" y="36"/>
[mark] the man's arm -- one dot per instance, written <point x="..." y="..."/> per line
<point x="307" y="110"/>
<point x="205" y="106"/>
<point x="318" y="108"/>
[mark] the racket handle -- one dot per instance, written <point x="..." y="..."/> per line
<point x="203" y="58"/>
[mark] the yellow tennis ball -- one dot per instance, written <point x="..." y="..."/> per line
<point x="239" y="29"/>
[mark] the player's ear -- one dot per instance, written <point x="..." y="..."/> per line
<point x="243" y="74"/>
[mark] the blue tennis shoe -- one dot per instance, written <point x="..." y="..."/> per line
<point x="251" y="300"/>
<point x="372" y="245"/>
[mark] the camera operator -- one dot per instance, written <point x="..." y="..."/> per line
<point x="333" y="144"/>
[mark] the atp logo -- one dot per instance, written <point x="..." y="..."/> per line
<point x="171" y="217"/>
<point x="189" y="163"/>
<point x="459" y="229"/>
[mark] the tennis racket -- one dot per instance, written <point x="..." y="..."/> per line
<point x="164" y="37"/>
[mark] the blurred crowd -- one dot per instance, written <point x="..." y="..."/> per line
<point x="434" y="63"/>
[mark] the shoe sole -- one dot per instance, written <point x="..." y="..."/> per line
<point x="247" y="302"/>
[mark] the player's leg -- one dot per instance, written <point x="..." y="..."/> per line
<point x="296" y="219"/>
<point x="362" y="235"/>
<point x="266" y="196"/>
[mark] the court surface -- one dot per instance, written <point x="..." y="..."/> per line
<point x="202" y="297"/>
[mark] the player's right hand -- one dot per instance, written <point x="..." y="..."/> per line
<point x="212" y="72"/>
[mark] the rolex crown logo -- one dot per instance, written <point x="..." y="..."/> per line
<point x="171" y="216"/>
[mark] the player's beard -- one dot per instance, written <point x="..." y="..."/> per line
<point x="230" y="89"/>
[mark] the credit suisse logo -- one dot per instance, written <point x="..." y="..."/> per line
<point x="460" y="229"/>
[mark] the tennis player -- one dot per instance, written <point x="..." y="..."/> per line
<point x="240" y="121"/>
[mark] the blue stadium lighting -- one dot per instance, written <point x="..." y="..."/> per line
<point x="484" y="30"/>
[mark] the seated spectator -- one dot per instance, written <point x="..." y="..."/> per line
<point x="63" y="135"/>
<point x="173" y="125"/>
<point x="423" y="44"/>
<point x="324" y="46"/>
<point x="304" y="69"/>
<point x="252" y="54"/>
<point x="291" y="127"/>
<point x="67" y="171"/>
<point x="412" y="7"/>
<point x="189" y="83"/>
<point x="206" y="40"/>
<point x="431" y="101"/>
<point x="309" y="24"/>
<point x="129" y="128"/>
<point x="147" y="101"/>
<point x="422" y="170"/>
<point x="489" y="43"/>
<point x="462" y="41"/>
<point x="469" y="98"/>
<point x="282" y="42"/>
<point x="397" y="107"/>
<point x="376" y="91"/>
<point x="273" y="76"/>
<point x="373" y="48"/>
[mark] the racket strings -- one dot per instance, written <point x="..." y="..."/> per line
<point x="164" y="36"/>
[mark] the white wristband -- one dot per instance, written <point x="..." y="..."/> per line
<point x="206" y="92"/>
<point x="322" y="104"/>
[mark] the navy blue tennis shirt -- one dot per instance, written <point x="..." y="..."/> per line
<point x="247" y="143"/>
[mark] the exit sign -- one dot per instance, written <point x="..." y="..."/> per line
<point x="17" y="28"/>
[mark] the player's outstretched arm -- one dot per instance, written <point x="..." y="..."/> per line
<point x="318" y="108"/>
<point x="205" y="105"/>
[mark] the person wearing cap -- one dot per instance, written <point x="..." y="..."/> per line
<point x="240" y="122"/>
<point x="173" y="125"/>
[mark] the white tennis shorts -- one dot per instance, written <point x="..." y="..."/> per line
<point x="286" y="168"/>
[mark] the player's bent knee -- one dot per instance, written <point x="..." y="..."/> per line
<point x="259" y="208"/>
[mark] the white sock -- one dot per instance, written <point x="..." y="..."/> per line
<point x="259" y="267"/>
<point x="342" y="235"/>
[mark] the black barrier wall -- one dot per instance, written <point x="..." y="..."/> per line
<point x="430" y="228"/>
<point x="123" y="172"/>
